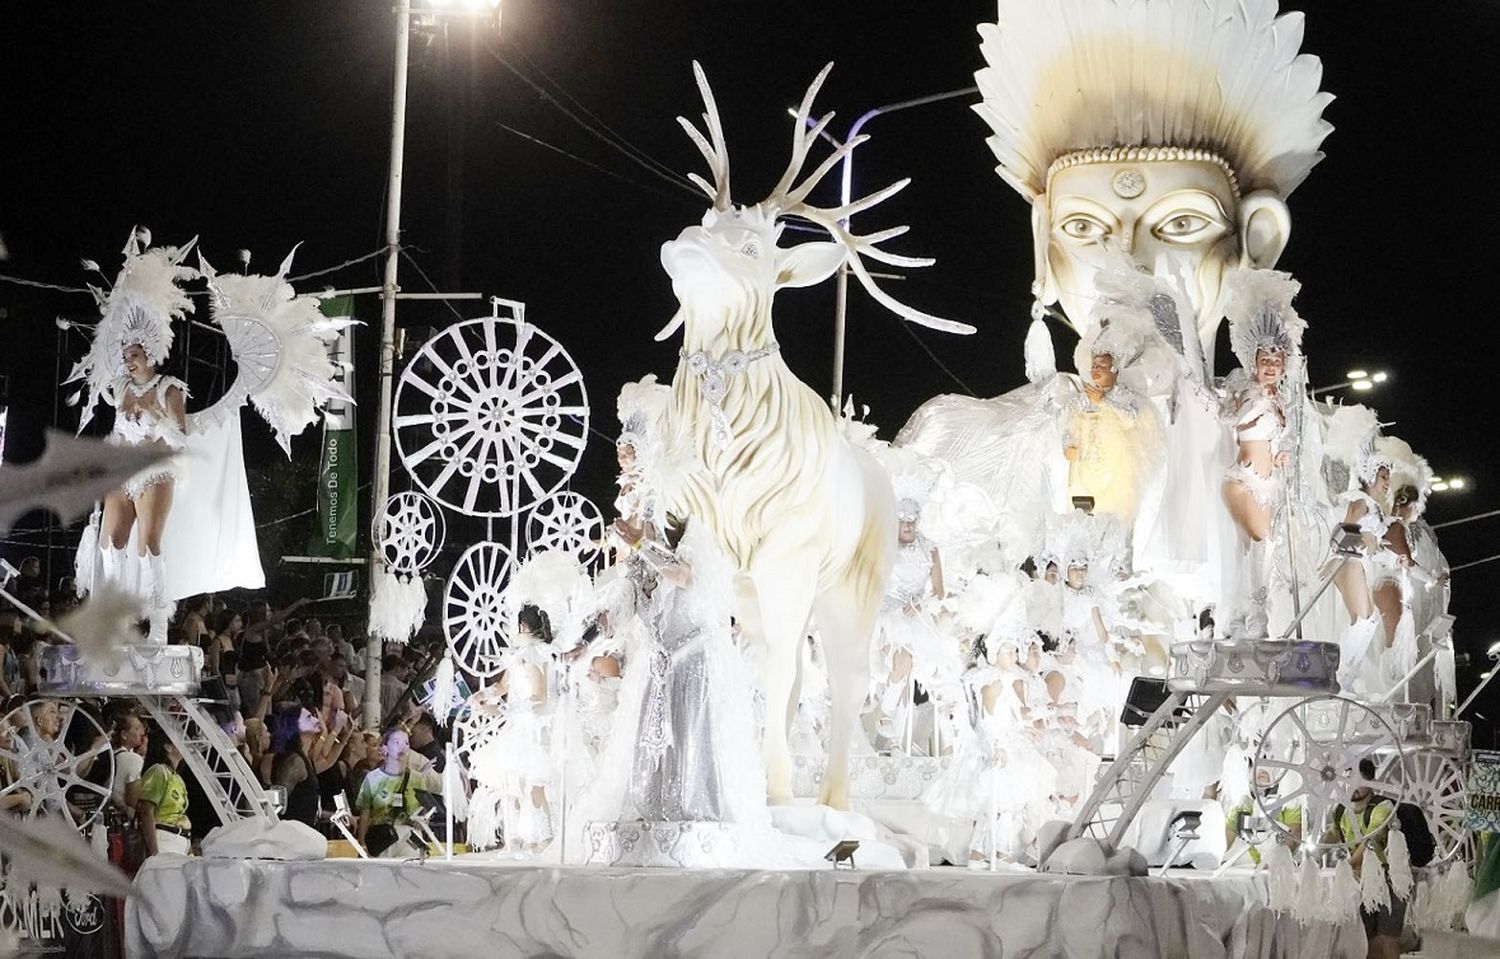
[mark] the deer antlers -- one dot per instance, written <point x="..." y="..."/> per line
<point x="789" y="198"/>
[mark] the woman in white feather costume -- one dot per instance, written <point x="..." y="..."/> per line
<point x="683" y="747"/>
<point x="999" y="780"/>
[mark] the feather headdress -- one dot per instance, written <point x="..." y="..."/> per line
<point x="292" y="382"/>
<point x="1407" y="470"/>
<point x="1261" y="315"/>
<point x="1080" y="539"/>
<point x="641" y="406"/>
<point x="138" y="310"/>
<point x="1350" y="440"/>
<point x="1076" y="81"/>
<point x="554" y="582"/>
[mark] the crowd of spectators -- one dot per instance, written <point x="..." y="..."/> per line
<point x="286" y="689"/>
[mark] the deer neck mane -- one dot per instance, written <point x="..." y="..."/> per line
<point x="743" y="326"/>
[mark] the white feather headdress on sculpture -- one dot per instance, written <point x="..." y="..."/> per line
<point x="1261" y="315"/>
<point x="1407" y="470"/>
<point x="138" y="310"/>
<point x="1079" y="81"/>
<point x="1350" y="438"/>
<point x="281" y="340"/>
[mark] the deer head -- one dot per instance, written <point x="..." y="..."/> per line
<point x="726" y="269"/>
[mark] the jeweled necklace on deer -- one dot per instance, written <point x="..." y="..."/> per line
<point x="713" y="380"/>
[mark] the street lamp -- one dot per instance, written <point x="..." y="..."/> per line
<point x="1454" y="484"/>
<point x="1361" y="381"/>
<point x="836" y="395"/>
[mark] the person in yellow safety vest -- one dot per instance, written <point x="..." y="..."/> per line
<point x="1289" y="816"/>
<point x="1366" y="813"/>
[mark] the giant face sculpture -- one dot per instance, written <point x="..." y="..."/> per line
<point x="1167" y="131"/>
<point x="1181" y="219"/>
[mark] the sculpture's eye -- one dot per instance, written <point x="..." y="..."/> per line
<point x="1190" y="228"/>
<point x="1081" y="226"/>
<point x="751" y="249"/>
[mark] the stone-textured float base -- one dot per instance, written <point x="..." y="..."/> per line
<point x="477" y="907"/>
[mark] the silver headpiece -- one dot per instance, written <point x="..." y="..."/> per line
<point x="1261" y="316"/>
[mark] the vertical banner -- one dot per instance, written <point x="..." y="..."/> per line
<point x="338" y="463"/>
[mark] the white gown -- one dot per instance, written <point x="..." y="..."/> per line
<point x="999" y="778"/>
<point x="683" y="746"/>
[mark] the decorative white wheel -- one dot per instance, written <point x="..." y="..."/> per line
<point x="474" y="618"/>
<point x="567" y="522"/>
<point x="1310" y="757"/>
<point x="43" y="774"/>
<point x="409" y="532"/>
<point x="1435" y="784"/>
<point x="491" y="416"/>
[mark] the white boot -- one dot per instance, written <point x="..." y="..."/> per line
<point x="1355" y="650"/>
<point x="154" y="591"/>
<point x="1258" y="593"/>
<point x="112" y="564"/>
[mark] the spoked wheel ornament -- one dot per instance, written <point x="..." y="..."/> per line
<point x="491" y="416"/>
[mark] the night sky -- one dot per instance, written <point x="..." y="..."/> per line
<point x="258" y="125"/>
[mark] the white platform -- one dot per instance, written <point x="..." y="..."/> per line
<point x="476" y="906"/>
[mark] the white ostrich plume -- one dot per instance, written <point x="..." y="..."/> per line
<point x="304" y="379"/>
<point x="1407" y="469"/>
<point x="1070" y="81"/>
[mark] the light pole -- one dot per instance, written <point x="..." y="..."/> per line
<point x="389" y="294"/>
<point x="841" y="303"/>
<point x="1361" y="381"/>
<point x="380" y="482"/>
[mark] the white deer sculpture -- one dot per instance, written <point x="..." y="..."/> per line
<point x="807" y="518"/>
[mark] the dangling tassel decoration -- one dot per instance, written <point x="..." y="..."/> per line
<point x="483" y="826"/>
<point x="1041" y="356"/>
<point x="1398" y="860"/>
<point x="1281" y="879"/>
<point x="397" y="607"/>
<point x="1451" y="894"/>
<point x="443" y="689"/>
<point x="1374" y="894"/>
<point x="1307" y="908"/>
<point x="1344" y="894"/>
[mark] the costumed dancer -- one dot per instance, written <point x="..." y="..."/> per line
<point x="1094" y="654"/>
<point x="684" y="743"/>
<point x="1370" y="587"/>
<point x="637" y="450"/>
<point x="999" y="780"/>
<point x="1265" y="333"/>
<point x="910" y="646"/>
<point x="1112" y="440"/>
<point x="1427" y="587"/>
<point x="132" y="339"/>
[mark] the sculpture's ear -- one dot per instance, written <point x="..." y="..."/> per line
<point x="807" y="264"/>
<point x="1265" y="228"/>
<point x="1043" y="287"/>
